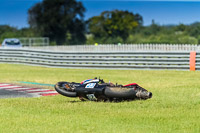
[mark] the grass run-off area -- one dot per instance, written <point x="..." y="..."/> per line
<point x="174" y="107"/>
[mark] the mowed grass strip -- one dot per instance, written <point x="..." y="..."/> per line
<point x="175" y="106"/>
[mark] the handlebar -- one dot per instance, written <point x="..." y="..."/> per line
<point x="101" y="80"/>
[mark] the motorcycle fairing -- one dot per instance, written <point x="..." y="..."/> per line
<point x="90" y="81"/>
<point x="132" y="84"/>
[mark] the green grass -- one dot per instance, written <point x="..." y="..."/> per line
<point x="175" y="106"/>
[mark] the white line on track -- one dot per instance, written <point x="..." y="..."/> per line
<point x="31" y="90"/>
<point x="50" y="92"/>
<point x="4" y="84"/>
<point x="9" y="87"/>
<point x="17" y="89"/>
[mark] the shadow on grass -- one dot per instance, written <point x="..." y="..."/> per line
<point x="77" y="101"/>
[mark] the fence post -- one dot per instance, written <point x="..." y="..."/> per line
<point x="192" y="60"/>
<point x="198" y="47"/>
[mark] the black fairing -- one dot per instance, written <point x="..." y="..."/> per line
<point x="97" y="90"/>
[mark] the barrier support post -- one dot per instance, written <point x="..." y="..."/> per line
<point x="192" y="60"/>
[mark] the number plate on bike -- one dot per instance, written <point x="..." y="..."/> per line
<point x="90" y="85"/>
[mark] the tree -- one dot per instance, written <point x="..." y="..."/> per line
<point x="114" y="24"/>
<point x="194" y="30"/>
<point x="7" y="31"/>
<point x="61" y="20"/>
<point x="181" y="27"/>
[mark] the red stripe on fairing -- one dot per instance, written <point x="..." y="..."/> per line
<point x="130" y="84"/>
<point x="40" y="91"/>
<point x="50" y="94"/>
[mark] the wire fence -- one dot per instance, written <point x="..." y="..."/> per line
<point x="36" y="41"/>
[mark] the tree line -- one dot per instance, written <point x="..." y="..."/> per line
<point x="63" y="22"/>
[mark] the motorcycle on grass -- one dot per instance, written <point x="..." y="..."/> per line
<point x="97" y="90"/>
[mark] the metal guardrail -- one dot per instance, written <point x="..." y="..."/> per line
<point x="123" y="48"/>
<point x="104" y="60"/>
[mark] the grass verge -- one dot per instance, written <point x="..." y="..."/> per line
<point x="175" y="105"/>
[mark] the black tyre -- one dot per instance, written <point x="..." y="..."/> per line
<point x="59" y="87"/>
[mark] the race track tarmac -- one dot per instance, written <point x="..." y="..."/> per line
<point x="14" y="91"/>
<point x="14" y="94"/>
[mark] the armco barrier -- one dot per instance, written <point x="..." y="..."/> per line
<point x="122" y="48"/>
<point x="111" y="60"/>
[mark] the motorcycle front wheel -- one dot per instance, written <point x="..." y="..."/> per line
<point x="64" y="89"/>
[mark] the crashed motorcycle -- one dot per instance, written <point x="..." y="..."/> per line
<point x="98" y="90"/>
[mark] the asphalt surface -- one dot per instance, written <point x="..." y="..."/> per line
<point x="14" y="91"/>
<point x="14" y="94"/>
